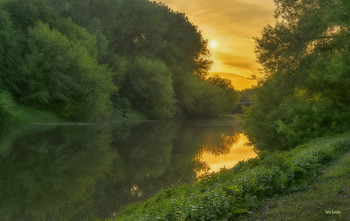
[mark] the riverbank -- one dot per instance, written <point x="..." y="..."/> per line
<point x="245" y="188"/>
<point x="326" y="199"/>
<point x="16" y="114"/>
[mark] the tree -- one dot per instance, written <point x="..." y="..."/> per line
<point x="62" y="76"/>
<point x="305" y="90"/>
<point x="25" y="13"/>
<point x="151" y="88"/>
<point x="231" y="96"/>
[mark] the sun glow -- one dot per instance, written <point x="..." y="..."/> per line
<point x="213" y="44"/>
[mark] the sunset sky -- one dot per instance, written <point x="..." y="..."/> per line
<point x="229" y="26"/>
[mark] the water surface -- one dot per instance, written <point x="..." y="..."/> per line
<point x="76" y="172"/>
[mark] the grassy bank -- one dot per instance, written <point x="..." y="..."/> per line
<point x="236" y="192"/>
<point x="22" y="115"/>
<point x="326" y="199"/>
<point x="12" y="113"/>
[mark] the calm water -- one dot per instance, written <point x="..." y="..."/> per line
<point x="76" y="172"/>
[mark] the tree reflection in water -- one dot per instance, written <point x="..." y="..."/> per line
<point x="75" y="172"/>
<point x="49" y="173"/>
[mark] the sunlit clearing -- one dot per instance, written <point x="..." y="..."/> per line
<point x="213" y="44"/>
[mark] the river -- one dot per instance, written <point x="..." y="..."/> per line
<point x="86" y="171"/>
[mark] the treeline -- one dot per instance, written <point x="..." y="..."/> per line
<point x="88" y="59"/>
<point x="306" y="90"/>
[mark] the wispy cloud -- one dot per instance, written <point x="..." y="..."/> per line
<point x="235" y="61"/>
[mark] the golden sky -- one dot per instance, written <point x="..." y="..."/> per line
<point x="229" y="26"/>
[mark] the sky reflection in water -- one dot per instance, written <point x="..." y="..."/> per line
<point x="238" y="150"/>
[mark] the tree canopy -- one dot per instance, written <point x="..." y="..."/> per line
<point x="305" y="92"/>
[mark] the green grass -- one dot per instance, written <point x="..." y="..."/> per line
<point x="13" y="113"/>
<point x="23" y="115"/>
<point x="330" y="193"/>
<point x="28" y="115"/>
<point x="234" y="193"/>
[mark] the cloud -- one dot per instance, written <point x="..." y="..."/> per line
<point x="234" y="61"/>
<point x="225" y="74"/>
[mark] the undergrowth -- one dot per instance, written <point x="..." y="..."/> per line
<point x="326" y="199"/>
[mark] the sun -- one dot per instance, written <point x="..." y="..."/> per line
<point x="213" y="44"/>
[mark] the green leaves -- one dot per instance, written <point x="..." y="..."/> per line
<point x="61" y="74"/>
<point x="152" y="88"/>
<point x="10" y="61"/>
<point x="24" y="13"/>
<point x="305" y="93"/>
